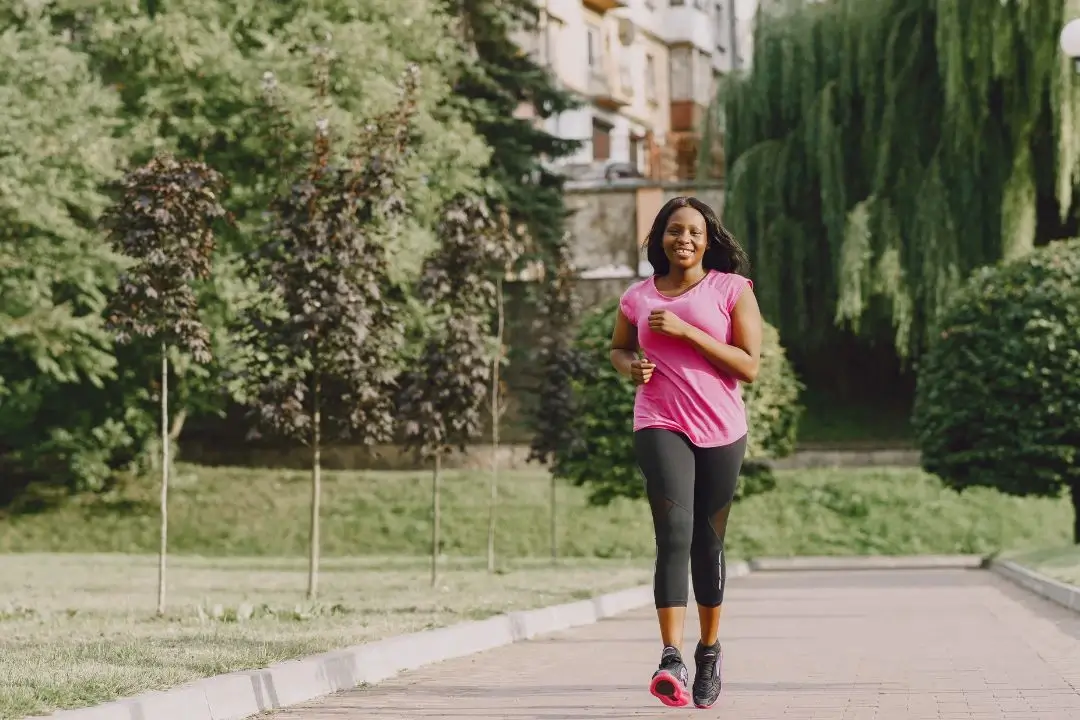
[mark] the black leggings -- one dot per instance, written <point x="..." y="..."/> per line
<point x="690" y="490"/>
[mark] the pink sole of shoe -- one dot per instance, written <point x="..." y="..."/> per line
<point x="668" y="690"/>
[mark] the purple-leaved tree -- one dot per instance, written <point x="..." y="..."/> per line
<point x="325" y="336"/>
<point x="442" y="397"/>
<point x="163" y="220"/>
<point x="554" y="408"/>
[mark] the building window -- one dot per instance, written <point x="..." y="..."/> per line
<point x="594" y="47"/>
<point x="650" y="78"/>
<point x="681" y="78"/>
<point x="635" y="151"/>
<point x="703" y="79"/>
<point x="721" y="31"/>
<point x="601" y="140"/>
<point x="543" y="58"/>
<point x="677" y="3"/>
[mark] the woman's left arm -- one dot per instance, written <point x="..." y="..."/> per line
<point x="742" y="357"/>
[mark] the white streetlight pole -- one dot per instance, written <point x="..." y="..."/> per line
<point x="1070" y="42"/>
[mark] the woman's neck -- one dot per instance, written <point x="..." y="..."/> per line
<point x="680" y="278"/>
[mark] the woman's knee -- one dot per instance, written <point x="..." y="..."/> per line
<point x="708" y="574"/>
<point x="674" y="530"/>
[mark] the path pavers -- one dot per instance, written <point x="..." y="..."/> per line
<point x="867" y="645"/>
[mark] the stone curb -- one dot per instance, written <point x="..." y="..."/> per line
<point x="245" y="693"/>
<point x="1053" y="590"/>
<point x="874" y="562"/>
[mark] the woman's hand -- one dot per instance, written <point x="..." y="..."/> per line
<point x="641" y="371"/>
<point x="668" y="323"/>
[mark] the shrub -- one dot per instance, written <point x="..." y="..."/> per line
<point x="998" y="395"/>
<point x="601" y="454"/>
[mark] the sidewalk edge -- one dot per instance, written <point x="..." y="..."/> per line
<point x="1046" y="587"/>
<point x="245" y="693"/>
<point x="867" y="562"/>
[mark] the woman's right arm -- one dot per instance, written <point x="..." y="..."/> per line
<point x="624" y="344"/>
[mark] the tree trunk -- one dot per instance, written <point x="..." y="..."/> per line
<point x="435" y="519"/>
<point x="1074" y="493"/>
<point x="316" y="493"/>
<point x="554" y="521"/>
<point x="178" y="424"/>
<point x="164" y="540"/>
<point x="496" y="415"/>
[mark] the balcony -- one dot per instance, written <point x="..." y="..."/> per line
<point x="611" y="90"/>
<point x="686" y="115"/>
<point x="679" y="158"/>
<point x="603" y="6"/>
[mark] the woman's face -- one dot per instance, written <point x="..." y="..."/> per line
<point x="685" y="238"/>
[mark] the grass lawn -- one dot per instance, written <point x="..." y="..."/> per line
<point x="1061" y="562"/>
<point x="249" y="512"/>
<point x="885" y="511"/>
<point x="78" y="630"/>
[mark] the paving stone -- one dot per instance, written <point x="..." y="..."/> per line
<point x="865" y="645"/>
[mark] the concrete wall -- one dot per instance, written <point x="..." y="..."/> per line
<point x="611" y="220"/>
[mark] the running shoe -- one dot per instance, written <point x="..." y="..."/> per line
<point x="669" y="682"/>
<point x="707" y="679"/>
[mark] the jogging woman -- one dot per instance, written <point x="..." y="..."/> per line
<point x="697" y="326"/>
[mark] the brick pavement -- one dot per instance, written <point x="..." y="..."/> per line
<point x="896" y="645"/>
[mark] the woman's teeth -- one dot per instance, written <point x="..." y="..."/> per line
<point x="684" y="252"/>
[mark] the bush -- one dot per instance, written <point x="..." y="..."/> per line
<point x="602" y="452"/>
<point x="998" y="396"/>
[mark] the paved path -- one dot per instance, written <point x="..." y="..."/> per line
<point x="899" y="645"/>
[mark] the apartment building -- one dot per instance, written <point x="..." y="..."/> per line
<point x="647" y="71"/>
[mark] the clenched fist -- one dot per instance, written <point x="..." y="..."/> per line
<point x="667" y="323"/>
<point x="641" y="371"/>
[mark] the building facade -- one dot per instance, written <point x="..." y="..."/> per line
<point x="647" y="72"/>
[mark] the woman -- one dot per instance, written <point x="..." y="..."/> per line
<point x="698" y="327"/>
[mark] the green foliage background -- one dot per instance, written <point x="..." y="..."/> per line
<point x="90" y="88"/>
<point x="59" y="145"/>
<point x="878" y="152"/>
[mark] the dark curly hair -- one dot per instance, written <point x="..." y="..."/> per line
<point x="722" y="252"/>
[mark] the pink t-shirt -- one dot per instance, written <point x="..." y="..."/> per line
<point x="687" y="393"/>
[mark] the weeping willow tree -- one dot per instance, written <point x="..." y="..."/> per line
<point x="879" y="151"/>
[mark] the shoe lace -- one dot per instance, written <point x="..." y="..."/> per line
<point x="706" y="667"/>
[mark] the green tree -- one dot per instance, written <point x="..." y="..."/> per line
<point x="64" y="414"/>
<point x="496" y="79"/>
<point x="998" y="399"/>
<point x="325" y="335"/>
<point x="164" y="221"/>
<point x="879" y="151"/>
<point x="192" y="79"/>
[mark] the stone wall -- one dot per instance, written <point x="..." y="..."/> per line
<point x="610" y="220"/>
